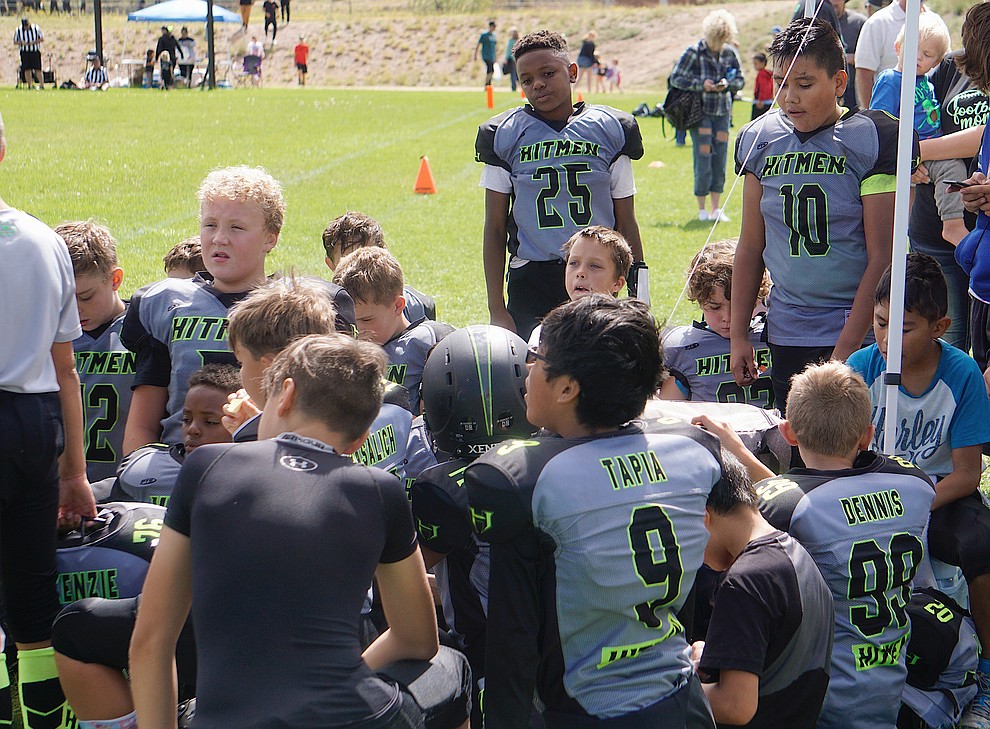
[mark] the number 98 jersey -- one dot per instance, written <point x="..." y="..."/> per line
<point x="863" y="526"/>
<point x="812" y="205"/>
<point x="560" y="171"/>
<point x="595" y="543"/>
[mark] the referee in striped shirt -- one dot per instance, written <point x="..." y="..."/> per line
<point x="29" y="38"/>
<point x="96" y="77"/>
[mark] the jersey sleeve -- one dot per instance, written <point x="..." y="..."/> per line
<point x="484" y="145"/>
<point x="881" y="177"/>
<point x="153" y="365"/>
<point x="633" y="146"/>
<point x="496" y="179"/>
<point x="440" y="508"/>
<point x="179" y="514"/>
<point x="779" y="497"/>
<point x="400" y="539"/>
<point x="739" y="630"/>
<point x="499" y="512"/>
<point x="863" y="363"/>
<point x="343" y="306"/>
<point x="621" y="181"/>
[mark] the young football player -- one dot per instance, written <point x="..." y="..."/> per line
<point x="697" y="356"/>
<point x="176" y="326"/>
<point x="943" y="417"/>
<point x="323" y="394"/>
<point x="596" y="261"/>
<point x="551" y="169"/>
<point x="184" y="259"/>
<point x="473" y="400"/>
<point x="862" y="517"/>
<point x="818" y="211"/>
<point x="373" y="278"/>
<point x="105" y="366"/>
<point x="148" y="474"/>
<point x="596" y="533"/>
<point x="765" y="659"/>
<point x="352" y="230"/>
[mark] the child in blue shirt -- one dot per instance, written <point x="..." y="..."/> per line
<point x="943" y="416"/>
<point x="933" y="44"/>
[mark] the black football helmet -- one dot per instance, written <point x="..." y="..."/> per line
<point x="473" y="390"/>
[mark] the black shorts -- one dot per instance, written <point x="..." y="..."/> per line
<point x="30" y="60"/>
<point x="438" y="690"/>
<point x="185" y="69"/>
<point x="489" y="66"/>
<point x="959" y="534"/>
<point x="32" y="441"/>
<point x="532" y="291"/>
<point x="789" y="361"/>
<point x="302" y="67"/>
<point x="247" y="2"/>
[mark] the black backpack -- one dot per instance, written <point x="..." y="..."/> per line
<point x="682" y="108"/>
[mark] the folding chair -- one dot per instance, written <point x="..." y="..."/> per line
<point x="250" y="71"/>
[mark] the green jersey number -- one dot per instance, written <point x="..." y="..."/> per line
<point x="578" y="209"/>
<point x="656" y="558"/>
<point x="760" y="393"/>
<point x="882" y="577"/>
<point x="105" y="399"/>
<point x="806" y="215"/>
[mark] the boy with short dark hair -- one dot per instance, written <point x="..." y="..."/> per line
<point x="373" y="278"/>
<point x="352" y="230"/>
<point x="323" y="394"/>
<point x="818" y="210"/>
<point x="697" y="356"/>
<point x="551" y="168"/>
<point x="596" y="535"/>
<point x="766" y="655"/>
<point x="862" y="517"/>
<point x="184" y="259"/>
<point x="943" y="416"/>
<point x="106" y="368"/>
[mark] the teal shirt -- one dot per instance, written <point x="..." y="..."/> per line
<point x="488" y="46"/>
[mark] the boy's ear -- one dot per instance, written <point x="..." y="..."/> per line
<point x="326" y="260"/>
<point x="271" y="240"/>
<point x="568" y="391"/>
<point x="941" y="326"/>
<point x="353" y="446"/>
<point x="841" y="79"/>
<point x="618" y="285"/>
<point x="788" y="432"/>
<point x="285" y="400"/>
<point x="116" y="277"/>
<point x="572" y="72"/>
<point x="867" y="439"/>
<point x="399" y="304"/>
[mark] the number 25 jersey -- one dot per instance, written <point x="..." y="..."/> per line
<point x="863" y="526"/>
<point x="595" y="543"/>
<point x="560" y="171"/>
<point x="813" y="189"/>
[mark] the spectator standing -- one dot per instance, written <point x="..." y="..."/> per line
<point x="487" y="42"/>
<point x="28" y="39"/>
<point x="168" y="43"/>
<point x="762" y="86"/>
<point x="187" y="45"/>
<point x="42" y="466"/>
<point x="301" y="53"/>
<point x="875" y="47"/>
<point x="509" y="67"/>
<point x="711" y="67"/>
<point x="586" y="58"/>
<point x="245" y="8"/>
<point x="851" y="23"/>
<point x="286" y="11"/>
<point x="271" y="18"/>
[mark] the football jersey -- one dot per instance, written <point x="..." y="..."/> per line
<point x="180" y="325"/>
<point x="148" y="474"/>
<point x="418" y="305"/>
<point x="595" y="543"/>
<point x="953" y="412"/>
<point x="813" y="185"/>
<point x="560" y="172"/>
<point x="407" y="353"/>
<point x="863" y="526"/>
<point x="106" y="372"/>
<point x="698" y="359"/>
<point x="388" y="438"/>
<point x="419" y="451"/>
<point x="109" y="561"/>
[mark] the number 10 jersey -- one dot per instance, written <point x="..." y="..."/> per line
<point x="560" y="172"/>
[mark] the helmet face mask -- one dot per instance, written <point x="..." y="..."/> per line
<point x="474" y="390"/>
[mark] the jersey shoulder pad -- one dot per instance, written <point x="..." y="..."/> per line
<point x="779" y="497"/>
<point x="484" y="145"/>
<point x="632" y="141"/>
<point x="396" y="394"/>
<point x="440" y="507"/>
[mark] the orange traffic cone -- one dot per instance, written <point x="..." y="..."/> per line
<point x="490" y="96"/>
<point x="424" y="180"/>
<point x="580" y="97"/>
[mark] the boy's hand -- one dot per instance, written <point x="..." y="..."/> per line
<point x="697" y="648"/>
<point x="741" y="361"/>
<point x="976" y="197"/>
<point x="730" y="439"/>
<point x="503" y="319"/>
<point x="710" y="85"/>
<point x="920" y="176"/>
<point x="75" y="500"/>
<point x="239" y="409"/>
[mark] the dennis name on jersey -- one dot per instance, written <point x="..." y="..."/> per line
<point x="872" y="507"/>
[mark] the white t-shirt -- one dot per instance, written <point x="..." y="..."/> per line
<point x="875" y="51"/>
<point x="37" y="302"/>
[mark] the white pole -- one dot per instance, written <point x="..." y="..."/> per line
<point x="902" y="209"/>
<point x="809" y="8"/>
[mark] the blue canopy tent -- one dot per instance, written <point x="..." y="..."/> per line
<point x="190" y="11"/>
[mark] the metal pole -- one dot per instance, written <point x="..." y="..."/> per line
<point x="902" y="209"/>
<point x="98" y="23"/>
<point x="211" y="56"/>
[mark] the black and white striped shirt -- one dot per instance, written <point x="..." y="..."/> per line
<point x="97" y="76"/>
<point x="29" y="38"/>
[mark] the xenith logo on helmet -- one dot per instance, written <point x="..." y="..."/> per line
<point x="479" y="449"/>
<point x="297" y="463"/>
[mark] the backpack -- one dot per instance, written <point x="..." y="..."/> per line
<point x="682" y="108"/>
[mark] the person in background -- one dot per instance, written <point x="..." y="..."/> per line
<point x="487" y="43"/>
<point x="509" y="64"/>
<point x="301" y="54"/>
<point x="187" y="44"/>
<point x="851" y="23"/>
<point x="762" y="86"/>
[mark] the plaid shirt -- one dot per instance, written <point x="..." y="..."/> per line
<point x="697" y="64"/>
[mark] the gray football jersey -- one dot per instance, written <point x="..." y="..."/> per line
<point x="614" y="528"/>
<point x="388" y="439"/>
<point x="561" y="177"/>
<point x="698" y="359"/>
<point x="187" y="318"/>
<point x="407" y="355"/>
<point x="106" y="373"/>
<point x="813" y="186"/>
<point x="148" y="474"/>
<point x="864" y="527"/>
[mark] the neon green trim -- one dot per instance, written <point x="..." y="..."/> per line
<point x="877" y="184"/>
<point x="36" y="665"/>
<point x="4" y="675"/>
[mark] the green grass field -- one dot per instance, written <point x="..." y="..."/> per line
<point x="133" y="160"/>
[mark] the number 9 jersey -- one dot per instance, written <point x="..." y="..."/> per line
<point x="864" y="527"/>
<point x="561" y="173"/>
<point x="595" y="543"/>
<point x="813" y="189"/>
